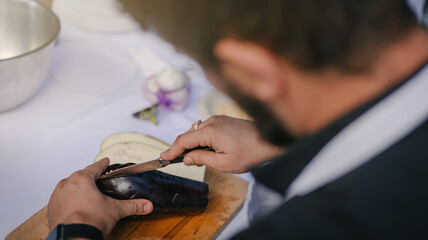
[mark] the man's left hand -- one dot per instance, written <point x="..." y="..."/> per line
<point x="77" y="200"/>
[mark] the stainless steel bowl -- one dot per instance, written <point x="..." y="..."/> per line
<point x="28" y="30"/>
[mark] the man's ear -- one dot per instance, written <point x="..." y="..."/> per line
<point x="251" y="67"/>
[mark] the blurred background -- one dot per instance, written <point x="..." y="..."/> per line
<point x="96" y="72"/>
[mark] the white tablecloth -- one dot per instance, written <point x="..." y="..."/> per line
<point x="59" y="130"/>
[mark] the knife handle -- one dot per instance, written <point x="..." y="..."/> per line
<point x="180" y="158"/>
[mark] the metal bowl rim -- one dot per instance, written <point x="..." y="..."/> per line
<point x="51" y="40"/>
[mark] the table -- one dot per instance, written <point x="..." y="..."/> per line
<point x="59" y="131"/>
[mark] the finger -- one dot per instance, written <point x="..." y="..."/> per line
<point x="96" y="170"/>
<point x="134" y="207"/>
<point x="203" y="136"/>
<point x="185" y="141"/>
<point x="201" y="157"/>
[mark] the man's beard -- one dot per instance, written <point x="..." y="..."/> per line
<point x="269" y="126"/>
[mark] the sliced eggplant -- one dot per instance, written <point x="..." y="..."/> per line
<point x="162" y="189"/>
<point x="126" y="137"/>
<point x="139" y="152"/>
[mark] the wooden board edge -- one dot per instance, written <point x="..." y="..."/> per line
<point x="38" y="215"/>
<point x="220" y="230"/>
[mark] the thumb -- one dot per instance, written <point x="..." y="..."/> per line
<point x="201" y="157"/>
<point x="134" y="207"/>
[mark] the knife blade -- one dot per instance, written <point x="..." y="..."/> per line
<point x="152" y="164"/>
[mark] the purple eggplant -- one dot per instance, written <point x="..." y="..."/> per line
<point x="162" y="189"/>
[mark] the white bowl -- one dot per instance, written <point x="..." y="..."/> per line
<point x="28" y="30"/>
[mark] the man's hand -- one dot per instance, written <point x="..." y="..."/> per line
<point x="78" y="200"/>
<point x="237" y="144"/>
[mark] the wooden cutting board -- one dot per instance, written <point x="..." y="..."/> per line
<point x="227" y="194"/>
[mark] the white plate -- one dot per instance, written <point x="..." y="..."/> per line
<point x="212" y="102"/>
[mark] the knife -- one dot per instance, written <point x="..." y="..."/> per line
<point x="152" y="164"/>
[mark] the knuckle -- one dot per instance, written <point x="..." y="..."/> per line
<point x="126" y="208"/>
<point x="215" y="118"/>
<point x="134" y="207"/>
<point x="222" y="118"/>
<point x="181" y="142"/>
<point x="173" y="151"/>
<point x="202" y="158"/>
<point x="179" y="139"/>
<point x="197" y="158"/>
<point x="62" y="183"/>
<point x="210" y="129"/>
<point x="99" y="164"/>
<point x="77" y="177"/>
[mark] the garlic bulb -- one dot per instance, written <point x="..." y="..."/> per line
<point x="171" y="79"/>
<point x="170" y="89"/>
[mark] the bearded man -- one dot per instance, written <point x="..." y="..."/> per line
<point x="340" y="85"/>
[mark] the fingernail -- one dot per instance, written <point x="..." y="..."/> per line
<point x="188" y="161"/>
<point x="147" y="207"/>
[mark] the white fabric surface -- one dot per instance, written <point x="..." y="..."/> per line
<point x="60" y="131"/>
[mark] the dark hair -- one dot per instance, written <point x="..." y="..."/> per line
<point x="312" y="34"/>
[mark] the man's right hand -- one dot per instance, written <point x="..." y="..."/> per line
<point x="237" y="143"/>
